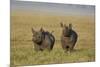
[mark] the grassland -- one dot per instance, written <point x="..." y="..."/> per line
<point x="22" y="52"/>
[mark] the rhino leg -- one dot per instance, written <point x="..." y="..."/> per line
<point x="36" y="47"/>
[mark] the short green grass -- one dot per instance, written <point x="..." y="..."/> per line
<point x="22" y="52"/>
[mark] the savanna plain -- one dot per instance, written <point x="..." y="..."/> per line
<point x="22" y="49"/>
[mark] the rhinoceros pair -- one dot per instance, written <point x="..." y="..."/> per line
<point x="45" y="40"/>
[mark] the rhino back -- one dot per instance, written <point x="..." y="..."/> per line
<point x="49" y="40"/>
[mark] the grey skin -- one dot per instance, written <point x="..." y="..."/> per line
<point x="68" y="38"/>
<point x="42" y="40"/>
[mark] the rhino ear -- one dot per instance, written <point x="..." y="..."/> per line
<point x="61" y="24"/>
<point x="33" y="31"/>
<point x="42" y="30"/>
<point x="70" y="26"/>
<point x="52" y="31"/>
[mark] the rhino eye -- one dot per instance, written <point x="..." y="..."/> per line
<point x="38" y="36"/>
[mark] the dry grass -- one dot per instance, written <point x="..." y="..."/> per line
<point x="22" y="52"/>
